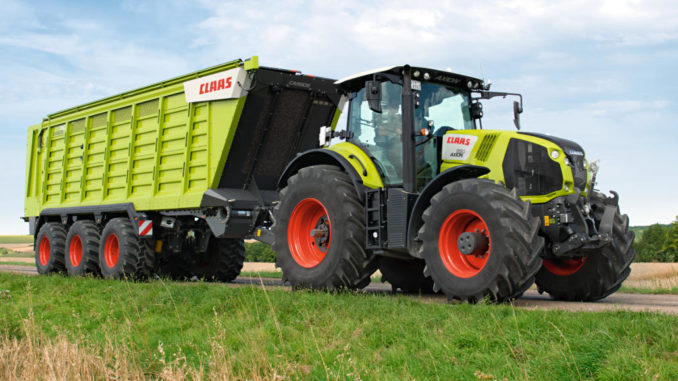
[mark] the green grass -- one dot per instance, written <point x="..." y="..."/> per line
<point x="263" y="274"/>
<point x="655" y="291"/>
<point x="4" y="253"/>
<point x="16" y="239"/>
<point x="259" y="333"/>
<point x="27" y="264"/>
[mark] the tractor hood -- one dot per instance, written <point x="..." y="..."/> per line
<point x="574" y="152"/>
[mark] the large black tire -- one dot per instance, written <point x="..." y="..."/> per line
<point x="82" y="249"/>
<point x="50" y="246"/>
<point x="122" y="254"/>
<point x="500" y="271"/>
<point x="223" y="260"/>
<point x="176" y="266"/>
<point x="322" y="198"/>
<point x="405" y="275"/>
<point x="601" y="272"/>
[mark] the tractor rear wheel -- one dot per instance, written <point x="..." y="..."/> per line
<point x="480" y="240"/>
<point x="406" y="275"/>
<point x="597" y="274"/>
<point x="50" y="246"/>
<point x="82" y="248"/>
<point x="320" y="230"/>
<point x="122" y="254"/>
<point x="223" y="260"/>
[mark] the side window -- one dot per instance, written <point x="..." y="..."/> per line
<point x="380" y="133"/>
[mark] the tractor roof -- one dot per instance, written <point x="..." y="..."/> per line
<point x="357" y="81"/>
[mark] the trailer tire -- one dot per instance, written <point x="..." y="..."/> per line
<point x="223" y="260"/>
<point x="175" y="266"/>
<point x="122" y="254"/>
<point x="598" y="274"/>
<point x="82" y="249"/>
<point x="321" y="199"/>
<point x="406" y="275"/>
<point x="50" y="246"/>
<point x="503" y="264"/>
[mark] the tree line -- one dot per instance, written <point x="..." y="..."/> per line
<point x="658" y="243"/>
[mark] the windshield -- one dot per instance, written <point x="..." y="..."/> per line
<point x="445" y="107"/>
<point x="379" y="133"/>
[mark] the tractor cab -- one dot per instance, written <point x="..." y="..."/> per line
<point x="399" y="116"/>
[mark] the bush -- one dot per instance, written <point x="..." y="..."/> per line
<point x="259" y="252"/>
<point x="658" y="243"/>
<point x="4" y="251"/>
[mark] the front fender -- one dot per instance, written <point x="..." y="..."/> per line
<point x="424" y="199"/>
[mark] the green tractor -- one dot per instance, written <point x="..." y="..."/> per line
<point x="417" y="189"/>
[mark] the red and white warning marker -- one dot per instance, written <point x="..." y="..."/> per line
<point x="145" y="228"/>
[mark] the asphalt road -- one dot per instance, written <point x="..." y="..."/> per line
<point x="667" y="304"/>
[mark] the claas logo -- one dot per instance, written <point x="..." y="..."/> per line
<point x="458" y="140"/>
<point x="215" y="85"/>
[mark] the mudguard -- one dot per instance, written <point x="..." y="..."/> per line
<point x="322" y="156"/>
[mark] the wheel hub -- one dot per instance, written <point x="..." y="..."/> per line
<point x="321" y="233"/>
<point x="473" y="243"/>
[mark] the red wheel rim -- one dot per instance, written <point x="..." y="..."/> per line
<point x="309" y="233"/>
<point x="460" y="265"/>
<point x="75" y="251"/>
<point x="111" y="251"/>
<point x="564" y="267"/>
<point x="43" y="251"/>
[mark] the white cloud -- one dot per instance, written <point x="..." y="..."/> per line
<point x="588" y="70"/>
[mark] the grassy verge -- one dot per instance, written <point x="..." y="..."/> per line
<point x="3" y="263"/>
<point x="262" y="274"/>
<point x="165" y="330"/>
<point x="16" y="239"/>
<point x="643" y="290"/>
<point x="13" y="254"/>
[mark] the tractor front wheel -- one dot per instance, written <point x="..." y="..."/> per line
<point x="480" y="240"/>
<point x="320" y="230"/>
<point x="599" y="272"/>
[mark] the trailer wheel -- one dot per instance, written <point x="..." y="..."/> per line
<point x="320" y="230"/>
<point x="50" y="245"/>
<point x="406" y="275"/>
<point x="223" y="260"/>
<point x="597" y="274"/>
<point x="82" y="248"/>
<point x="122" y="254"/>
<point x="176" y="266"/>
<point x="480" y="240"/>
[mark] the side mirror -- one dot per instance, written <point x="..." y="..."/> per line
<point x="373" y="95"/>
<point x="517" y="110"/>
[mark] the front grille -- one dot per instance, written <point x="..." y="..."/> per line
<point x="528" y="168"/>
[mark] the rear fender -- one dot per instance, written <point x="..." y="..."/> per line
<point x="424" y="199"/>
<point x="324" y="156"/>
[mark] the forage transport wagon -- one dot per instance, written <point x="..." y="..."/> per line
<point x="171" y="176"/>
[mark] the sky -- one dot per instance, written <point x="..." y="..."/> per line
<point x="600" y="73"/>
